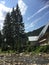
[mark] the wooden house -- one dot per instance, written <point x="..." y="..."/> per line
<point x="42" y="38"/>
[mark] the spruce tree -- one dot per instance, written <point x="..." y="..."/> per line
<point x="0" y="39"/>
<point x="18" y="28"/>
<point x="7" y="31"/>
<point x="13" y="30"/>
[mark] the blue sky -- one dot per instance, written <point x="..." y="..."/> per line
<point x="35" y="12"/>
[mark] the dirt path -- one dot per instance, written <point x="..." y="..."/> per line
<point x="24" y="60"/>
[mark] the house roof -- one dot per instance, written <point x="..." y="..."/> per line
<point x="33" y="38"/>
<point x="47" y="29"/>
<point x="44" y="30"/>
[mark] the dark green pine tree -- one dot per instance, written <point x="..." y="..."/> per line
<point x="8" y="32"/>
<point x="13" y="31"/>
<point x="18" y="28"/>
<point x="0" y="39"/>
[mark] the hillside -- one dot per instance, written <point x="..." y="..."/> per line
<point x="35" y="32"/>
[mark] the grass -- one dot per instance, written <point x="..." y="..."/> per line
<point x="43" y="49"/>
<point x="34" y="50"/>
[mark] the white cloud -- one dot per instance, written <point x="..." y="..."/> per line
<point x="36" y="21"/>
<point x="3" y="9"/>
<point x="22" y="6"/>
<point x="3" y="2"/>
<point x="40" y="10"/>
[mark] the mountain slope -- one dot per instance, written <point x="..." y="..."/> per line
<point x="35" y="32"/>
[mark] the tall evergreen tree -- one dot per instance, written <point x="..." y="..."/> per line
<point x="0" y="39"/>
<point x="18" y="28"/>
<point x="13" y="30"/>
<point x="7" y="31"/>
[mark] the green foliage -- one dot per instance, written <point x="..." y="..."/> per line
<point x="13" y="31"/>
<point x="38" y="49"/>
<point x="0" y="39"/>
<point x="44" y="49"/>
